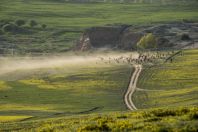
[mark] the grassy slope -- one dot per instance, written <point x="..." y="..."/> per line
<point x="66" y="21"/>
<point x="4" y="119"/>
<point x="177" y="119"/>
<point x="66" y="91"/>
<point x="177" y="80"/>
<point x="58" y="14"/>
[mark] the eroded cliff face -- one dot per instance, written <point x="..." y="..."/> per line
<point x="126" y="37"/>
<point x="129" y="39"/>
<point x="104" y="36"/>
<point x="108" y="37"/>
<point x="84" y="43"/>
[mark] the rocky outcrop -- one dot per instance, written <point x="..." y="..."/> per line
<point x="126" y="36"/>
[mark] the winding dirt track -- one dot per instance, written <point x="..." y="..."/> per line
<point x="131" y="88"/>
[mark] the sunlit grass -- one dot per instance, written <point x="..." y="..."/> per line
<point x="3" y="85"/>
<point x="67" y="89"/>
<point x="86" y="15"/>
<point x="12" y="118"/>
<point x="24" y="107"/>
<point x="166" y="119"/>
<point x="177" y="80"/>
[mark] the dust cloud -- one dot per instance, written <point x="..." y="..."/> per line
<point x="12" y="64"/>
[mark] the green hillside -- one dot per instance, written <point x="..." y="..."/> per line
<point x="47" y="86"/>
<point x="38" y="100"/>
<point x="63" y="90"/>
<point x="170" y="84"/>
<point x="82" y="15"/>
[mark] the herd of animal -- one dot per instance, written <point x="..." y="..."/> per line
<point x="142" y="58"/>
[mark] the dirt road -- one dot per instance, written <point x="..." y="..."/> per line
<point x="131" y="88"/>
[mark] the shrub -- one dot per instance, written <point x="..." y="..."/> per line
<point x="122" y="117"/>
<point x="194" y="115"/>
<point x="43" y="26"/>
<point x="4" y="22"/>
<point x="163" y="112"/>
<point x="101" y="127"/>
<point x="33" y="23"/>
<point x="163" y="129"/>
<point x="147" y="42"/>
<point x="20" y="22"/>
<point x="190" y="128"/>
<point x="9" y="28"/>
<point x="185" y="37"/>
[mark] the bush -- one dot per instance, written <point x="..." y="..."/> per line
<point x="190" y="128"/>
<point x="194" y="115"/>
<point x="101" y="127"/>
<point x="4" y="22"/>
<point x="147" y="42"/>
<point x="20" y="22"/>
<point x="164" y="113"/>
<point x="33" y="23"/>
<point x="43" y="26"/>
<point x="185" y="37"/>
<point x="9" y="28"/>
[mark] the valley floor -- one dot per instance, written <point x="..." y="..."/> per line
<point x="169" y="87"/>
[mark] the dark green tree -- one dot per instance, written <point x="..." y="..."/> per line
<point x="9" y="28"/>
<point x="44" y="26"/>
<point x="33" y="23"/>
<point x="20" y="22"/>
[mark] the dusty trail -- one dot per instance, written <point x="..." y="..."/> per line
<point x="131" y="88"/>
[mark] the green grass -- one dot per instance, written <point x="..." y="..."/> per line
<point x="12" y="118"/>
<point x="62" y="98"/>
<point x="66" y="21"/>
<point x="177" y="82"/>
<point x="67" y="90"/>
<point x="3" y="86"/>
<point x="178" y="119"/>
<point x="58" y="14"/>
